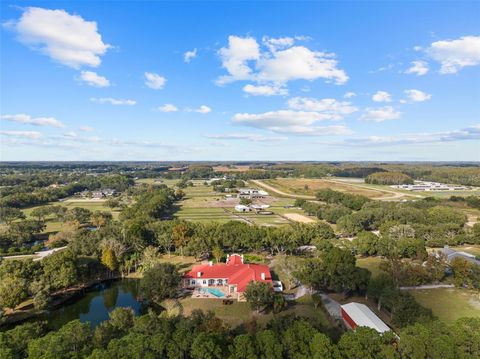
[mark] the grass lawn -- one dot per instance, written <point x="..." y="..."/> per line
<point x="371" y="263"/>
<point x="472" y="249"/>
<point x="72" y="202"/>
<point x="449" y="304"/>
<point x="240" y="312"/>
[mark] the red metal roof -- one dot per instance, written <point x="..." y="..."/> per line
<point x="234" y="270"/>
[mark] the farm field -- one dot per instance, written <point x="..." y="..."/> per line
<point x="449" y="304"/>
<point x="202" y="204"/>
<point x="309" y="186"/>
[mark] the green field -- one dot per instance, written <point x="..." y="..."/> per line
<point x="202" y="204"/>
<point x="92" y="205"/>
<point x="449" y="304"/>
<point x="371" y="263"/>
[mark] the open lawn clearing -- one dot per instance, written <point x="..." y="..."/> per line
<point x="158" y="181"/>
<point x="201" y="214"/>
<point x="53" y="225"/>
<point x="309" y="186"/>
<point x="472" y="249"/>
<point x="468" y="248"/>
<point x="240" y="312"/>
<point x="449" y="304"/>
<point x="299" y="218"/>
<point x="282" y="192"/>
<point x="232" y="168"/>
<point x="371" y="263"/>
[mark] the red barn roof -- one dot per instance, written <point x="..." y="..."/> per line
<point x="235" y="271"/>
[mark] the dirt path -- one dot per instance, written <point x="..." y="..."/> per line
<point x="281" y="193"/>
<point x="299" y="218"/>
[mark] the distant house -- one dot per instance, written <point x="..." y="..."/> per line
<point x="104" y="193"/>
<point x="231" y="277"/>
<point x="242" y="208"/>
<point x="359" y="315"/>
<point x="451" y="254"/>
<point x="251" y="193"/>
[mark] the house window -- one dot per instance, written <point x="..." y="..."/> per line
<point x="204" y="281"/>
<point x="193" y="282"/>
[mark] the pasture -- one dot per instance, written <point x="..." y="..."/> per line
<point x="309" y="186"/>
<point x="449" y="304"/>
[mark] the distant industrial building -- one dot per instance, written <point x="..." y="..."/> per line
<point x="420" y="186"/>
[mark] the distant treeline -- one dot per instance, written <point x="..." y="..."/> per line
<point x="388" y="178"/>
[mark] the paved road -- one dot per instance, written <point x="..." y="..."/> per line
<point x="37" y="256"/>
<point x="332" y="306"/>
<point x="428" y="286"/>
<point x="281" y="193"/>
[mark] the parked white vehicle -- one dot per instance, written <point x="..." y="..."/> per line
<point x="277" y="286"/>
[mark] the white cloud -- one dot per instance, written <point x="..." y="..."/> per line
<point x="203" y="109"/>
<point x="417" y="95"/>
<point x="279" y="63"/>
<point x="349" y="94"/>
<point x="382" y="96"/>
<point x="168" y="107"/>
<point x="288" y="121"/>
<point x="113" y="101"/>
<point x="67" y="39"/>
<point x="86" y="129"/>
<point x="189" y="55"/>
<point x="453" y="55"/>
<point x="24" y="134"/>
<point x="235" y="58"/>
<point x="465" y="134"/>
<point x="299" y="63"/>
<point x="70" y="134"/>
<point x="265" y="90"/>
<point x="253" y="137"/>
<point x="36" y="121"/>
<point x="278" y="43"/>
<point x="93" y="79"/>
<point x="419" y="68"/>
<point x="327" y="106"/>
<point x="154" y="81"/>
<point x="380" y="114"/>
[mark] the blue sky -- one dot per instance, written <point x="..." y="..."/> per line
<point x="139" y="80"/>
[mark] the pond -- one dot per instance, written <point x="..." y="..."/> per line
<point x="96" y="304"/>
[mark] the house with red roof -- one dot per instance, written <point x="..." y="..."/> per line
<point x="231" y="277"/>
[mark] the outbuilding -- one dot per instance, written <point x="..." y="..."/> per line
<point x="359" y="315"/>
<point x="242" y="208"/>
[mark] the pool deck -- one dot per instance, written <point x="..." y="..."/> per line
<point x="203" y="293"/>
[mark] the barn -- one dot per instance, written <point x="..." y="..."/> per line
<point x="359" y="315"/>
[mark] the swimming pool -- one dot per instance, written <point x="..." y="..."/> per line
<point x="214" y="291"/>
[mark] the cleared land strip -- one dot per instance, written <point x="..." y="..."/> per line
<point x="394" y="195"/>
<point x="279" y="192"/>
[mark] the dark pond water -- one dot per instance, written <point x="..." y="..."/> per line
<point x="95" y="305"/>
